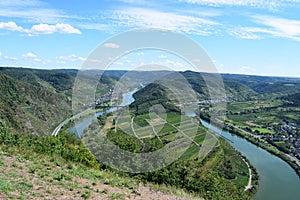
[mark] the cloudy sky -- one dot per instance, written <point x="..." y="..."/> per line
<point x="241" y="36"/>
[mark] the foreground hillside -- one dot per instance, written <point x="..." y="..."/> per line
<point x="46" y="167"/>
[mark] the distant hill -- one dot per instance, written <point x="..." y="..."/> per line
<point x="292" y="99"/>
<point x="59" y="80"/>
<point x="233" y="88"/>
<point x="36" y="100"/>
<point x="267" y="84"/>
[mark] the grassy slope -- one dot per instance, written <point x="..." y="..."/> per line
<point x="46" y="167"/>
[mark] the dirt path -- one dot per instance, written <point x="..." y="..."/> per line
<point x="249" y="186"/>
<point x="32" y="179"/>
<point x="133" y="130"/>
<point x="153" y="129"/>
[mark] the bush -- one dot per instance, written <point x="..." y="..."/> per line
<point x="64" y="145"/>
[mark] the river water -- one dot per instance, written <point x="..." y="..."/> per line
<point x="278" y="181"/>
<point x="79" y="128"/>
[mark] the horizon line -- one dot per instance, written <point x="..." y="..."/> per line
<point x="188" y="70"/>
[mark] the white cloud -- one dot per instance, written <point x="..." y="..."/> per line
<point x="247" y="70"/>
<point x="140" y="53"/>
<point x="10" y="58"/>
<point x="111" y="45"/>
<point x="10" y="26"/>
<point x="40" y="28"/>
<point x="270" y="26"/>
<point x="81" y="58"/>
<point x="34" y="11"/>
<point x="173" y="64"/>
<point x="0" y="53"/>
<point x="119" y="63"/>
<point x="246" y="33"/>
<point x="145" y="18"/>
<point x="22" y="3"/>
<point x="67" y="28"/>
<point x="162" y="56"/>
<point x="142" y="2"/>
<point x="29" y="55"/>
<point x="280" y="27"/>
<point x="49" y="29"/>
<point x="95" y="26"/>
<point x="35" y="15"/>
<point x="71" y="58"/>
<point x="37" y="60"/>
<point x="264" y="4"/>
<point x="253" y="3"/>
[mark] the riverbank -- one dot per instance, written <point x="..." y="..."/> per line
<point x="265" y="145"/>
<point x="83" y="115"/>
<point x="249" y="186"/>
<point x="274" y="173"/>
<point x="258" y="142"/>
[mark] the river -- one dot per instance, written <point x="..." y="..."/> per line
<point x="79" y="128"/>
<point x="278" y="181"/>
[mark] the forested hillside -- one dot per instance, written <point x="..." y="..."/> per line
<point x="36" y="101"/>
<point x="31" y="108"/>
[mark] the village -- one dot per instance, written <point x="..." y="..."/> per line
<point x="288" y="136"/>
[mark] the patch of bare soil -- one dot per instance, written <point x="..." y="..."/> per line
<point x="20" y="178"/>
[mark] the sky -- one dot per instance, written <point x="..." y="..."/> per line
<point x="260" y="37"/>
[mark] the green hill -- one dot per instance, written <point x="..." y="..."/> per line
<point x="267" y="85"/>
<point x="57" y="80"/>
<point x="222" y="174"/>
<point x="29" y="108"/>
<point x="36" y="101"/>
<point x="233" y="88"/>
<point x="149" y="96"/>
<point x="292" y="99"/>
<point x="60" y="80"/>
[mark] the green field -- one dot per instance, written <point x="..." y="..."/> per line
<point x="151" y="132"/>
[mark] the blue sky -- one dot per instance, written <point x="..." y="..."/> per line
<point x="241" y="36"/>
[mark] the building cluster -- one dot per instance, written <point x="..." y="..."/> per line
<point x="288" y="133"/>
<point x="107" y="97"/>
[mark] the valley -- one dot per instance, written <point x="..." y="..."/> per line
<point x="267" y="118"/>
